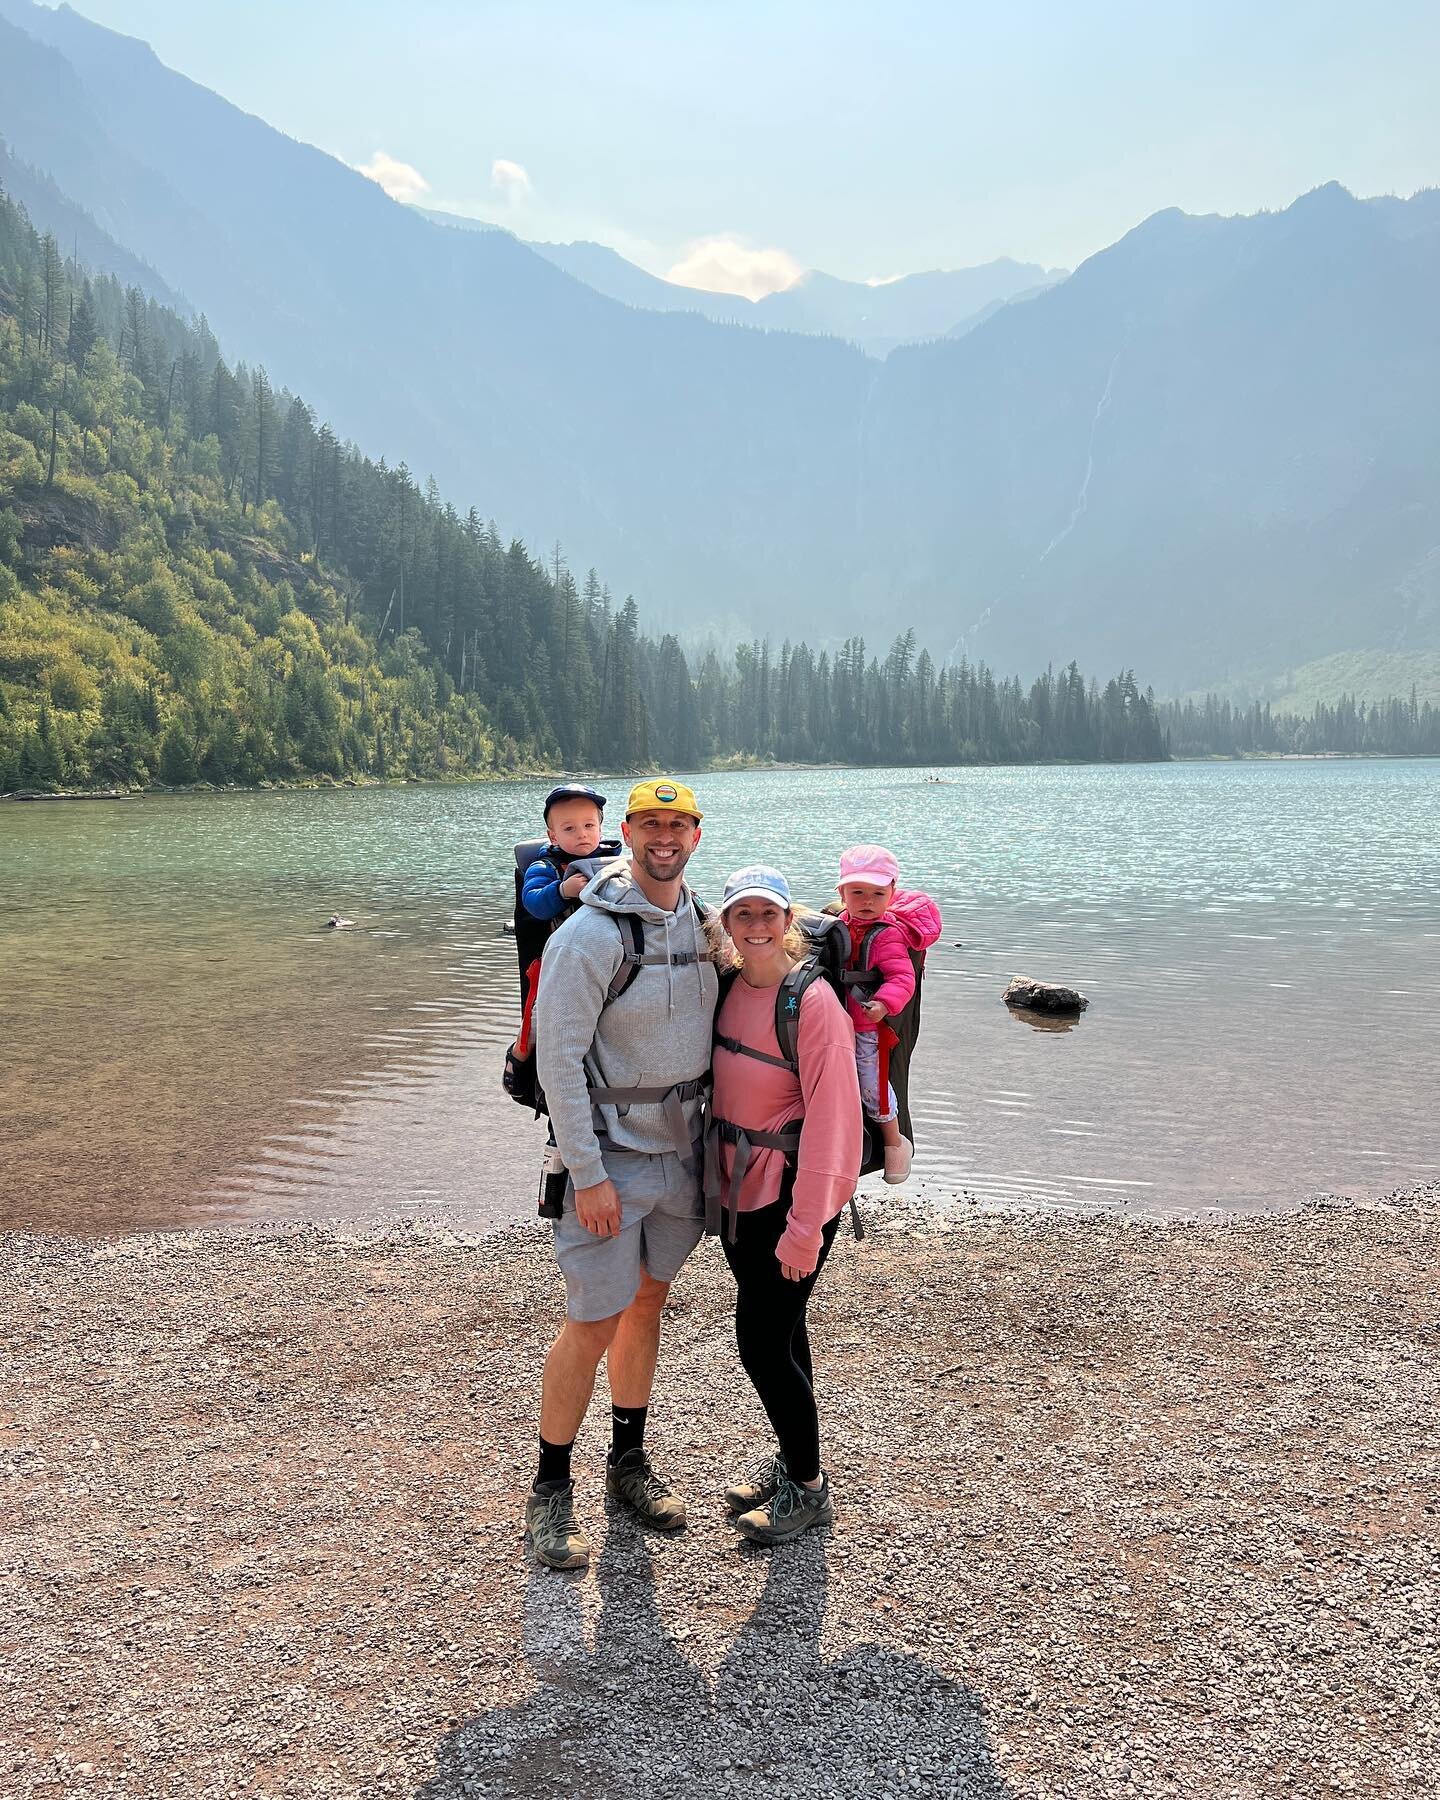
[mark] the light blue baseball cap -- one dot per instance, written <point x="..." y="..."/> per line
<point x="756" y="883"/>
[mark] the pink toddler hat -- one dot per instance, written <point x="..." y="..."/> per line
<point x="869" y="863"/>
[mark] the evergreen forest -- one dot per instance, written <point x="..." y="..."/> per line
<point x="199" y="582"/>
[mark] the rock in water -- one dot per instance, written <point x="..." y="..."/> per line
<point x="1043" y="996"/>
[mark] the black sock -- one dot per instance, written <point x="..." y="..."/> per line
<point x="554" y="1470"/>
<point x="627" y="1429"/>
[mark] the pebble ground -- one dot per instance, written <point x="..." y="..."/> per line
<point x="1124" y="1509"/>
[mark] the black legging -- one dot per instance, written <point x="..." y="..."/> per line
<point x="770" y="1330"/>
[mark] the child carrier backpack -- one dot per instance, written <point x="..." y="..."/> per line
<point x="521" y="1079"/>
<point x="531" y="937"/>
<point x="917" y="918"/>
<point x="827" y="942"/>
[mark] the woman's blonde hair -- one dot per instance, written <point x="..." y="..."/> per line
<point x="724" y="954"/>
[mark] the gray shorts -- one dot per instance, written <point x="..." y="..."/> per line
<point x="662" y="1219"/>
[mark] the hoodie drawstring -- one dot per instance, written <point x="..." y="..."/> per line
<point x="669" y="970"/>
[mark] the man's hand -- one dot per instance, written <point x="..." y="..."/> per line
<point x="598" y="1208"/>
<point x="873" y="1011"/>
<point x="572" y="885"/>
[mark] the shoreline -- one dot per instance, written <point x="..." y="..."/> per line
<point x="925" y="1205"/>
<point x="727" y="766"/>
<point x="1123" y="1507"/>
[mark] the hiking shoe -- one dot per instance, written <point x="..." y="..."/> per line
<point x="759" y="1487"/>
<point x="554" y="1536"/>
<point x="791" y="1513"/>
<point x="898" y="1158"/>
<point x="632" y="1480"/>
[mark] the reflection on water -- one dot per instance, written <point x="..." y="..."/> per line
<point x="1040" y="1021"/>
<point x="185" y="1038"/>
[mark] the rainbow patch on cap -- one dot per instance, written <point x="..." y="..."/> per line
<point x="664" y="791"/>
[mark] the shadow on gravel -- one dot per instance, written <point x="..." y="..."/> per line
<point x="620" y="1710"/>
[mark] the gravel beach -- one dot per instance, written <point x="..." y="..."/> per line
<point x="1144" y="1509"/>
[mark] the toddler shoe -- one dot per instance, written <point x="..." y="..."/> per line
<point x="898" y="1160"/>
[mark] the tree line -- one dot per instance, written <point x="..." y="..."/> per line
<point x="1347" y="727"/>
<point x="200" y="582"/>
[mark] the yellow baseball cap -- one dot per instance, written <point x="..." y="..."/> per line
<point x="662" y="795"/>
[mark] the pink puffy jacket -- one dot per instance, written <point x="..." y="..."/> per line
<point x="915" y="923"/>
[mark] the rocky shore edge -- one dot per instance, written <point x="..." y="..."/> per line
<point x="1124" y="1508"/>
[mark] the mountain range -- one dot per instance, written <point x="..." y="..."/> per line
<point x="1211" y="452"/>
<point x="878" y="316"/>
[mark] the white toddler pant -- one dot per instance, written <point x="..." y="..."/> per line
<point x="867" y="1067"/>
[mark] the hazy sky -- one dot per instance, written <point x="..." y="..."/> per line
<point x="864" y="139"/>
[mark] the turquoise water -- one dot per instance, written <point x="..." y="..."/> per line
<point x="1260" y="943"/>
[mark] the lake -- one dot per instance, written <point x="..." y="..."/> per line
<point x="185" y="1042"/>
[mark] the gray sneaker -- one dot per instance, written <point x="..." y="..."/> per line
<point x="792" y="1511"/>
<point x="633" y="1481"/>
<point x="761" y="1485"/>
<point x="550" y="1523"/>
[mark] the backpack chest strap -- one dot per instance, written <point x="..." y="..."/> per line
<point x="736" y="1048"/>
<point x="858" y="973"/>
<point x="634" y="956"/>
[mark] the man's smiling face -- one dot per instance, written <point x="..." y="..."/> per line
<point x="662" y="841"/>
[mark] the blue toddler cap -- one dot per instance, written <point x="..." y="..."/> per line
<point x="572" y="790"/>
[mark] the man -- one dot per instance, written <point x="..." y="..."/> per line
<point x="625" y="1010"/>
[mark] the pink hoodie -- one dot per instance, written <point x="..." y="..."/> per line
<point x="764" y="1097"/>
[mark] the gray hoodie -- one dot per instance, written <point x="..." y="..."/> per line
<point x="655" y="1034"/>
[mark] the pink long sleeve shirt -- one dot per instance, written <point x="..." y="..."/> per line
<point x="890" y="959"/>
<point x="763" y="1097"/>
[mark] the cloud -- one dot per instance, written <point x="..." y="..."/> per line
<point x="512" y="179"/>
<point x="727" y="265"/>
<point x="399" y="180"/>
<point x="882" y="280"/>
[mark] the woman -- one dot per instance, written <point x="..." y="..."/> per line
<point x="787" y="1200"/>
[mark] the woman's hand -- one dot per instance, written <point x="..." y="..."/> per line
<point x="793" y="1274"/>
<point x="873" y="1011"/>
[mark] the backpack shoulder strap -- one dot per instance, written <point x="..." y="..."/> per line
<point x="787" y="1016"/>
<point x="631" y="955"/>
<point x="788" y="996"/>
<point x="869" y="939"/>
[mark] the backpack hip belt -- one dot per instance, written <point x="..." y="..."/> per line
<point x="743" y="1139"/>
<point x="670" y="1099"/>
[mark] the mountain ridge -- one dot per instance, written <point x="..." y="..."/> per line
<point x="1214" y="447"/>
<point x="925" y="304"/>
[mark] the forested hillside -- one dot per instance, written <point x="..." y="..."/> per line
<point x="199" y="582"/>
